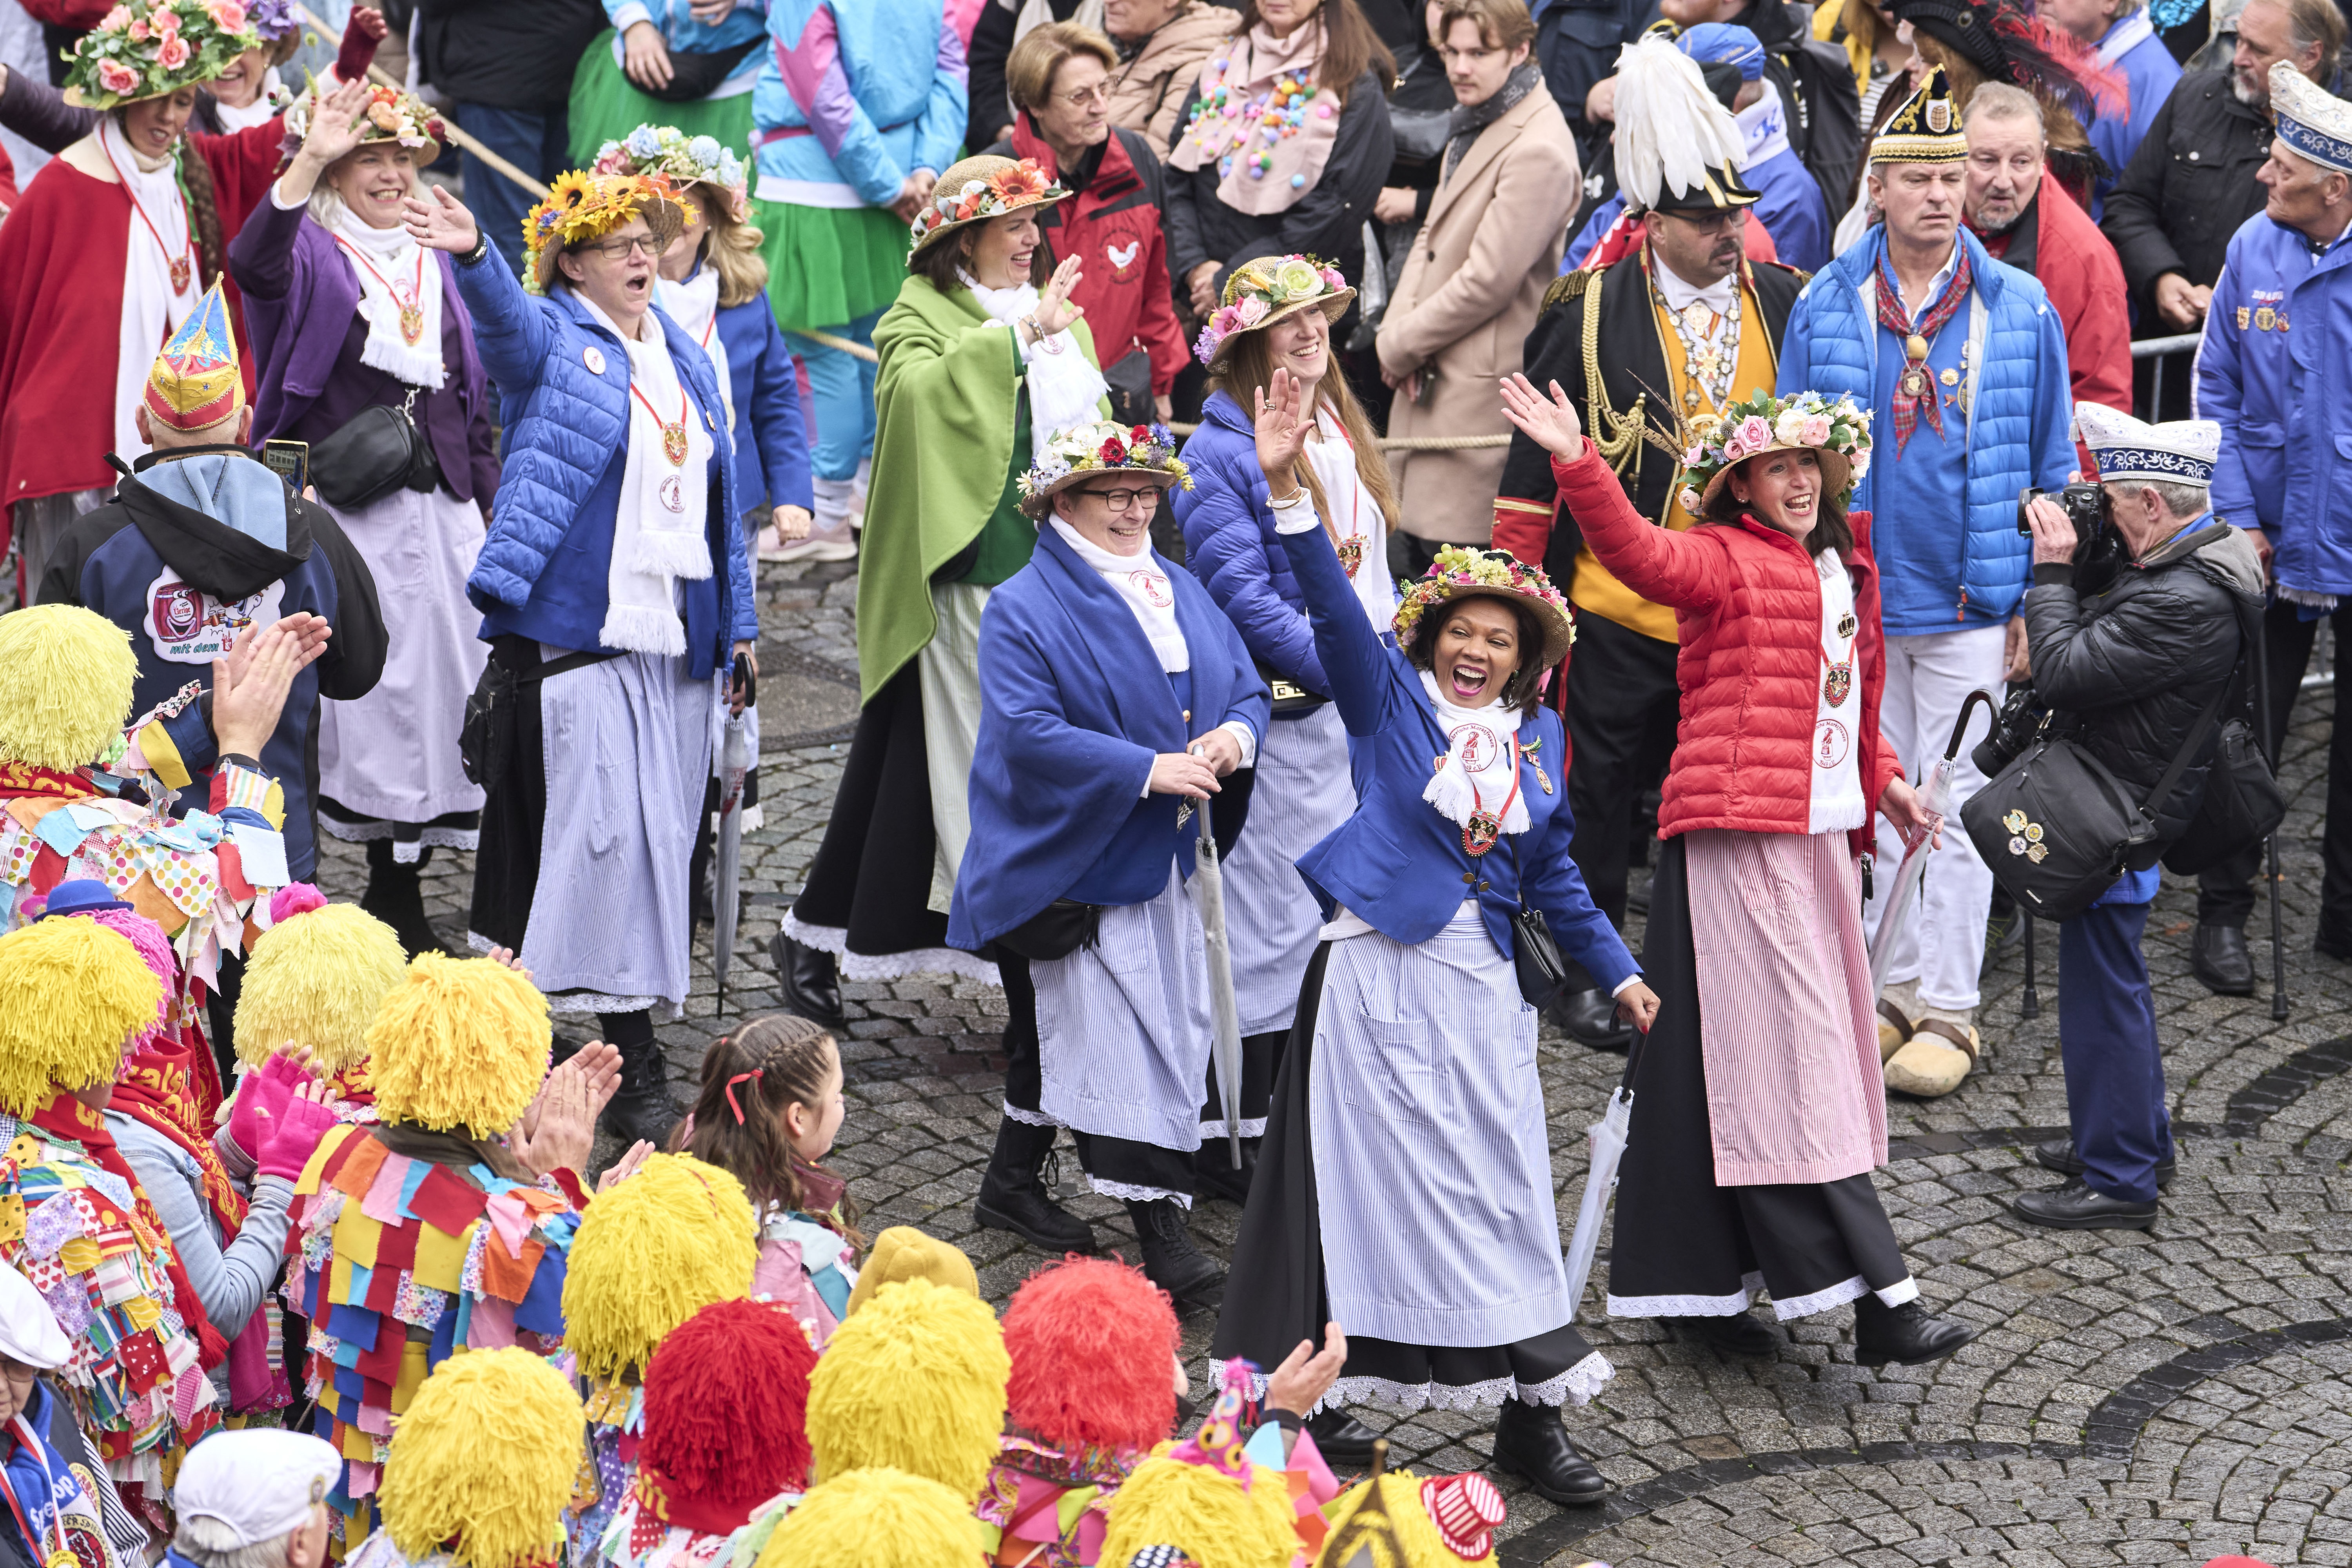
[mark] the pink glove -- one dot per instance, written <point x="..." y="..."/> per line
<point x="293" y="1137"/>
<point x="260" y="1101"/>
<point x="361" y="34"/>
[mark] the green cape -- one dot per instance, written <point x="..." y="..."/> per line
<point x="943" y="406"/>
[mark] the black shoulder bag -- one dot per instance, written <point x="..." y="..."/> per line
<point x="2243" y="803"/>
<point x="378" y="450"/>
<point x="486" y="739"/>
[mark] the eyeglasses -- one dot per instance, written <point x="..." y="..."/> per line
<point x="621" y="250"/>
<point x="1119" y="500"/>
<point x="1098" y="93"/>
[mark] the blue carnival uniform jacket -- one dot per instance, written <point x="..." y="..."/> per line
<point x="1073" y="708"/>
<point x="858" y="93"/>
<point x="2149" y="73"/>
<point x="543" y="569"/>
<point x="1231" y="545"/>
<point x="2017" y="433"/>
<point x="1398" y="862"/>
<point x="771" y="443"/>
<point x="680" y="31"/>
<point x="2278" y="356"/>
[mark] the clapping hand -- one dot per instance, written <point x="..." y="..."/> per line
<point x="1549" y="423"/>
<point x="442" y="223"/>
<point x="1054" y="311"/>
<point x="1283" y="425"/>
<point x="245" y="705"/>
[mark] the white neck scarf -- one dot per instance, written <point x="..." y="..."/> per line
<point x="1363" y="532"/>
<point x="390" y="264"/>
<point x="1138" y="580"/>
<point x="151" y="308"/>
<point x="1481" y="766"/>
<point x="258" y="112"/>
<point x="1765" y="124"/>
<point x="1064" y="385"/>
<point x="657" y="531"/>
<point x="694" y="306"/>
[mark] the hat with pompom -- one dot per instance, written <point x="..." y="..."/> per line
<point x="482" y="1464"/>
<point x="1218" y="1521"/>
<point x="878" y="1518"/>
<point x="913" y="1380"/>
<point x="65" y="679"/>
<point x="661" y="1245"/>
<point x="1090" y="1340"/>
<point x="726" y="1415"/>
<point x="317" y="979"/>
<point x="461" y="1044"/>
<point x="72" y="994"/>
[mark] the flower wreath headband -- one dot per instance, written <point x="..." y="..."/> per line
<point x="581" y="206"/>
<point x="1261" y="292"/>
<point x="1839" y="432"/>
<point x="689" y="161"/>
<point x="1459" y="570"/>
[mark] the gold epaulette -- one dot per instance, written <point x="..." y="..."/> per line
<point x="1568" y="286"/>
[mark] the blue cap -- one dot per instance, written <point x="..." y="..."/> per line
<point x="1727" y="42"/>
<point x="81" y="896"/>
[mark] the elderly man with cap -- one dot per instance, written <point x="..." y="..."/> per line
<point x="2135" y="662"/>
<point x="45" y="1472"/>
<point x="255" y="1499"/>
<point x="1962" y="363"/>
<point x="1673" y="331"/>
<point x="2286" y="269"/>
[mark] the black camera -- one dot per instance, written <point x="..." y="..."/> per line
<point x="2020" y="719"/>
<point x="2086" y="506"/>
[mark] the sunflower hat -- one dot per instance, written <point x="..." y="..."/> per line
<point x="581" y="208"/>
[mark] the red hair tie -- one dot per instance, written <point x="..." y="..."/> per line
<point x="731" y="1082"/>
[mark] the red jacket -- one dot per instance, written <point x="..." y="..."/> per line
<point x="1748" y="606"/>
<point x="1116" y="225"/>
<point x="2077" y="268"/>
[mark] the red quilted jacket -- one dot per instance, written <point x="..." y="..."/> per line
<point x="1748" y="603"/>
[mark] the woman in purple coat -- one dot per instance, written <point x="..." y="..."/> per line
<point x="348" y="313"/>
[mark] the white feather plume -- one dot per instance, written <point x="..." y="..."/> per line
<point x="1671" y="131"/>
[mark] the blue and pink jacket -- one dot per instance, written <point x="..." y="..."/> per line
<point x="853" y="98"/>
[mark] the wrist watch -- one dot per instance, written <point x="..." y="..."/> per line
<point x="481" y="251"/>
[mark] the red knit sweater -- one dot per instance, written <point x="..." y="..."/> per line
<point x="1748" y="607"/>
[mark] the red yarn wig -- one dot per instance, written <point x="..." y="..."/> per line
<point x="725" y="1409"/>
<point x="1092" y="1342"/>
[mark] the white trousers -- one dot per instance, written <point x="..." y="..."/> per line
<point x="1928" y="679"/>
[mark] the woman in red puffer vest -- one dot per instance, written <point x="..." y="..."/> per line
<point x="1758" y="1107"/>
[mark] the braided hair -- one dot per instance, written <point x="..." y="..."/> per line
<point x="749" y="1078"/>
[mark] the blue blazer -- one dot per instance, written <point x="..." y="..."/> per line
<point x="1398" y="862"/>
<point x="771" y="443"/>
<point x="1073" y="708"/>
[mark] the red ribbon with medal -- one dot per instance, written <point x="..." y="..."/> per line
<point x="412" y="303"/>
<point x="1484" y="828"/>
<point x="673" y="436"/>
<point x="1837" y="675"/>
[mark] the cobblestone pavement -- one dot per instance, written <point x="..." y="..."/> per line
<point x="2151" y="1398"/>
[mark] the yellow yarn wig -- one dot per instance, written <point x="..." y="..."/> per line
<point x="316" y="979"/>
<point x="461" y="1045"/>
<point x="1409" y="1520"/>
<point x="66" y="675"/>
<point x="660" y="1247"/>
<point x="72" y="994"/>
<point x="875" y="1519"/>
<point x="484" y="1457"/>
<point x="914" y="1380"/>
<point x="1170" y="1503"/>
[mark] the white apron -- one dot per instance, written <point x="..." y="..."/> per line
<point x="1302" y="792"/>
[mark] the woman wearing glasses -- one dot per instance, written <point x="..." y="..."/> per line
<point x="616" y="600"/>
<point x="1114" y="698"/>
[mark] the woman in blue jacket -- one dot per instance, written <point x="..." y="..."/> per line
<point x="615" y="598"/>
<point x="1409" y="1195"/>
<point x="1113" y="696"/>
<point x="1303" y="788"/>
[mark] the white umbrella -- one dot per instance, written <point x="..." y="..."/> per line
<point x="1607" y="1136"/>
<point x="727" y="870"/>
<point x="1935" y="795"/>
<point x="1225" y="1013"/>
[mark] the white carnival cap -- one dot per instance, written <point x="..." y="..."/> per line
<point x="261" y="1483"/>
<point x="2181" y="452"/>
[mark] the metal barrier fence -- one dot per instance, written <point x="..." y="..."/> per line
<point x="2177" y="354"/>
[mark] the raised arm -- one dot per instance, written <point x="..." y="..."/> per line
<point x="1354" y="661"/>
<point x="1225" y="548"/>
<point x="509" y="329"/>
<point x="39" y="113"/>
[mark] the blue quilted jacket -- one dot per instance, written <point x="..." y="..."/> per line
<point x="1231" y="545"/>
<point x="2017" y="432"/>
<point x="543" y="569"/>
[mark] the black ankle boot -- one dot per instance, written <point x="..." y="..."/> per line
<point x="1908" y="1334"/>
<point x="1739" y="1334"/>
<point x="1015" y="1193"/>
<point x="806" y="981"/>
<point x="1213" y="1174"/>
<point x="1529" y="1441"/>
<point x="1340" y="1438"/>
<point x="641" y="1110"/>
<point x="395" y="895"/>
<point x="1169" y="1259"/>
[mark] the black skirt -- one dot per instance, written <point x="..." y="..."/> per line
<point x="872" y="874"/>
<point x="1273" y="1288"/>
<point x="1686" y="1247"/>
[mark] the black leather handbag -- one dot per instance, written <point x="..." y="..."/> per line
<point x="486" y="738"/>
<point x="2243" y="803"/>
<point x="1057" y="930"/>
<point x="1291" y="700"/>
<point x="1129" y="380"/>
<point x="1542" y="971"/>
<point x="378" y="450"/>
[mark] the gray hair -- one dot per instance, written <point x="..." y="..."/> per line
<point x="210" y="1543"/>
<point x="2000" y="100"/>
<point x="2181" y="501"/>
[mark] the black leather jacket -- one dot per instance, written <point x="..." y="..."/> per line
<point x="2131" y="667"/>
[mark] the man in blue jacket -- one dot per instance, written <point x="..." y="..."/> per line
<point x="1962" y="362"/>
<point x="2287" y="270"/>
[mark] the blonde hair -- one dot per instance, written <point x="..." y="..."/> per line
<point x="1249" y="366"/>
<point x="732" y="249"/>
<point x="1041" y="52"/>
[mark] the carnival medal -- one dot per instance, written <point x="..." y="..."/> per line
<point x="673" y="436"/>
<point x="1480" y="833"/>
<point x="1914" y="374"/>
<point x="1351" y="553"/>
<point x="1837" y="682"/>
<point x="412" y="317"/>
<point x="181" y="275"/>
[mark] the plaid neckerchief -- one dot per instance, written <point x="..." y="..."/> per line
<point x="1909" y="407"/>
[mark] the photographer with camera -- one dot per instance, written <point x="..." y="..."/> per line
<point x="2128" y="666"/>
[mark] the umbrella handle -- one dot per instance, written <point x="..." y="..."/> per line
<point x="1960" y="726"/>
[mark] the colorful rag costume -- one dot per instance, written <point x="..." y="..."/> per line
<point x="805" y="1258"/>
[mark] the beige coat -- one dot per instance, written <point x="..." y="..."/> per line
<point x="1147" y="93"/>
<point x="1469" y="295"/>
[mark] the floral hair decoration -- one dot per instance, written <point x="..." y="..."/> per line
<point x="1261" y="292"/>
<point x="1838" y="431"/>
<point x="687" y="160"/>
<point x="272" y="20"/>
<point x="148" y="48"/>
<point x="980" y="188"/>
<point x="1147" y="451"/>
<point x="392" y="116"/>
<point x="581" y="206"/>
<point x="1463" y="572"/>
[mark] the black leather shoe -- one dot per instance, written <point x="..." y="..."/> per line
<point x="1531" y="1442"/>
<point x="1213" y="1175"/>
<point x="2330" y="943"/>
<point x="641" y="1108"/>
<point x="1016" y="1192"/>
<point x="1908" y="1334"/>
<point x="1342" y="1440"/>
<point x="2058" y="1154"/>
<point x="1738" y="1334"/>
<point x="806" y="981"/>
<point x="2075" y="1207"/>
<point x="2218" y="956"/>
<point x="1169" y="1259"/>
<point x="1591" y="1019"/>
